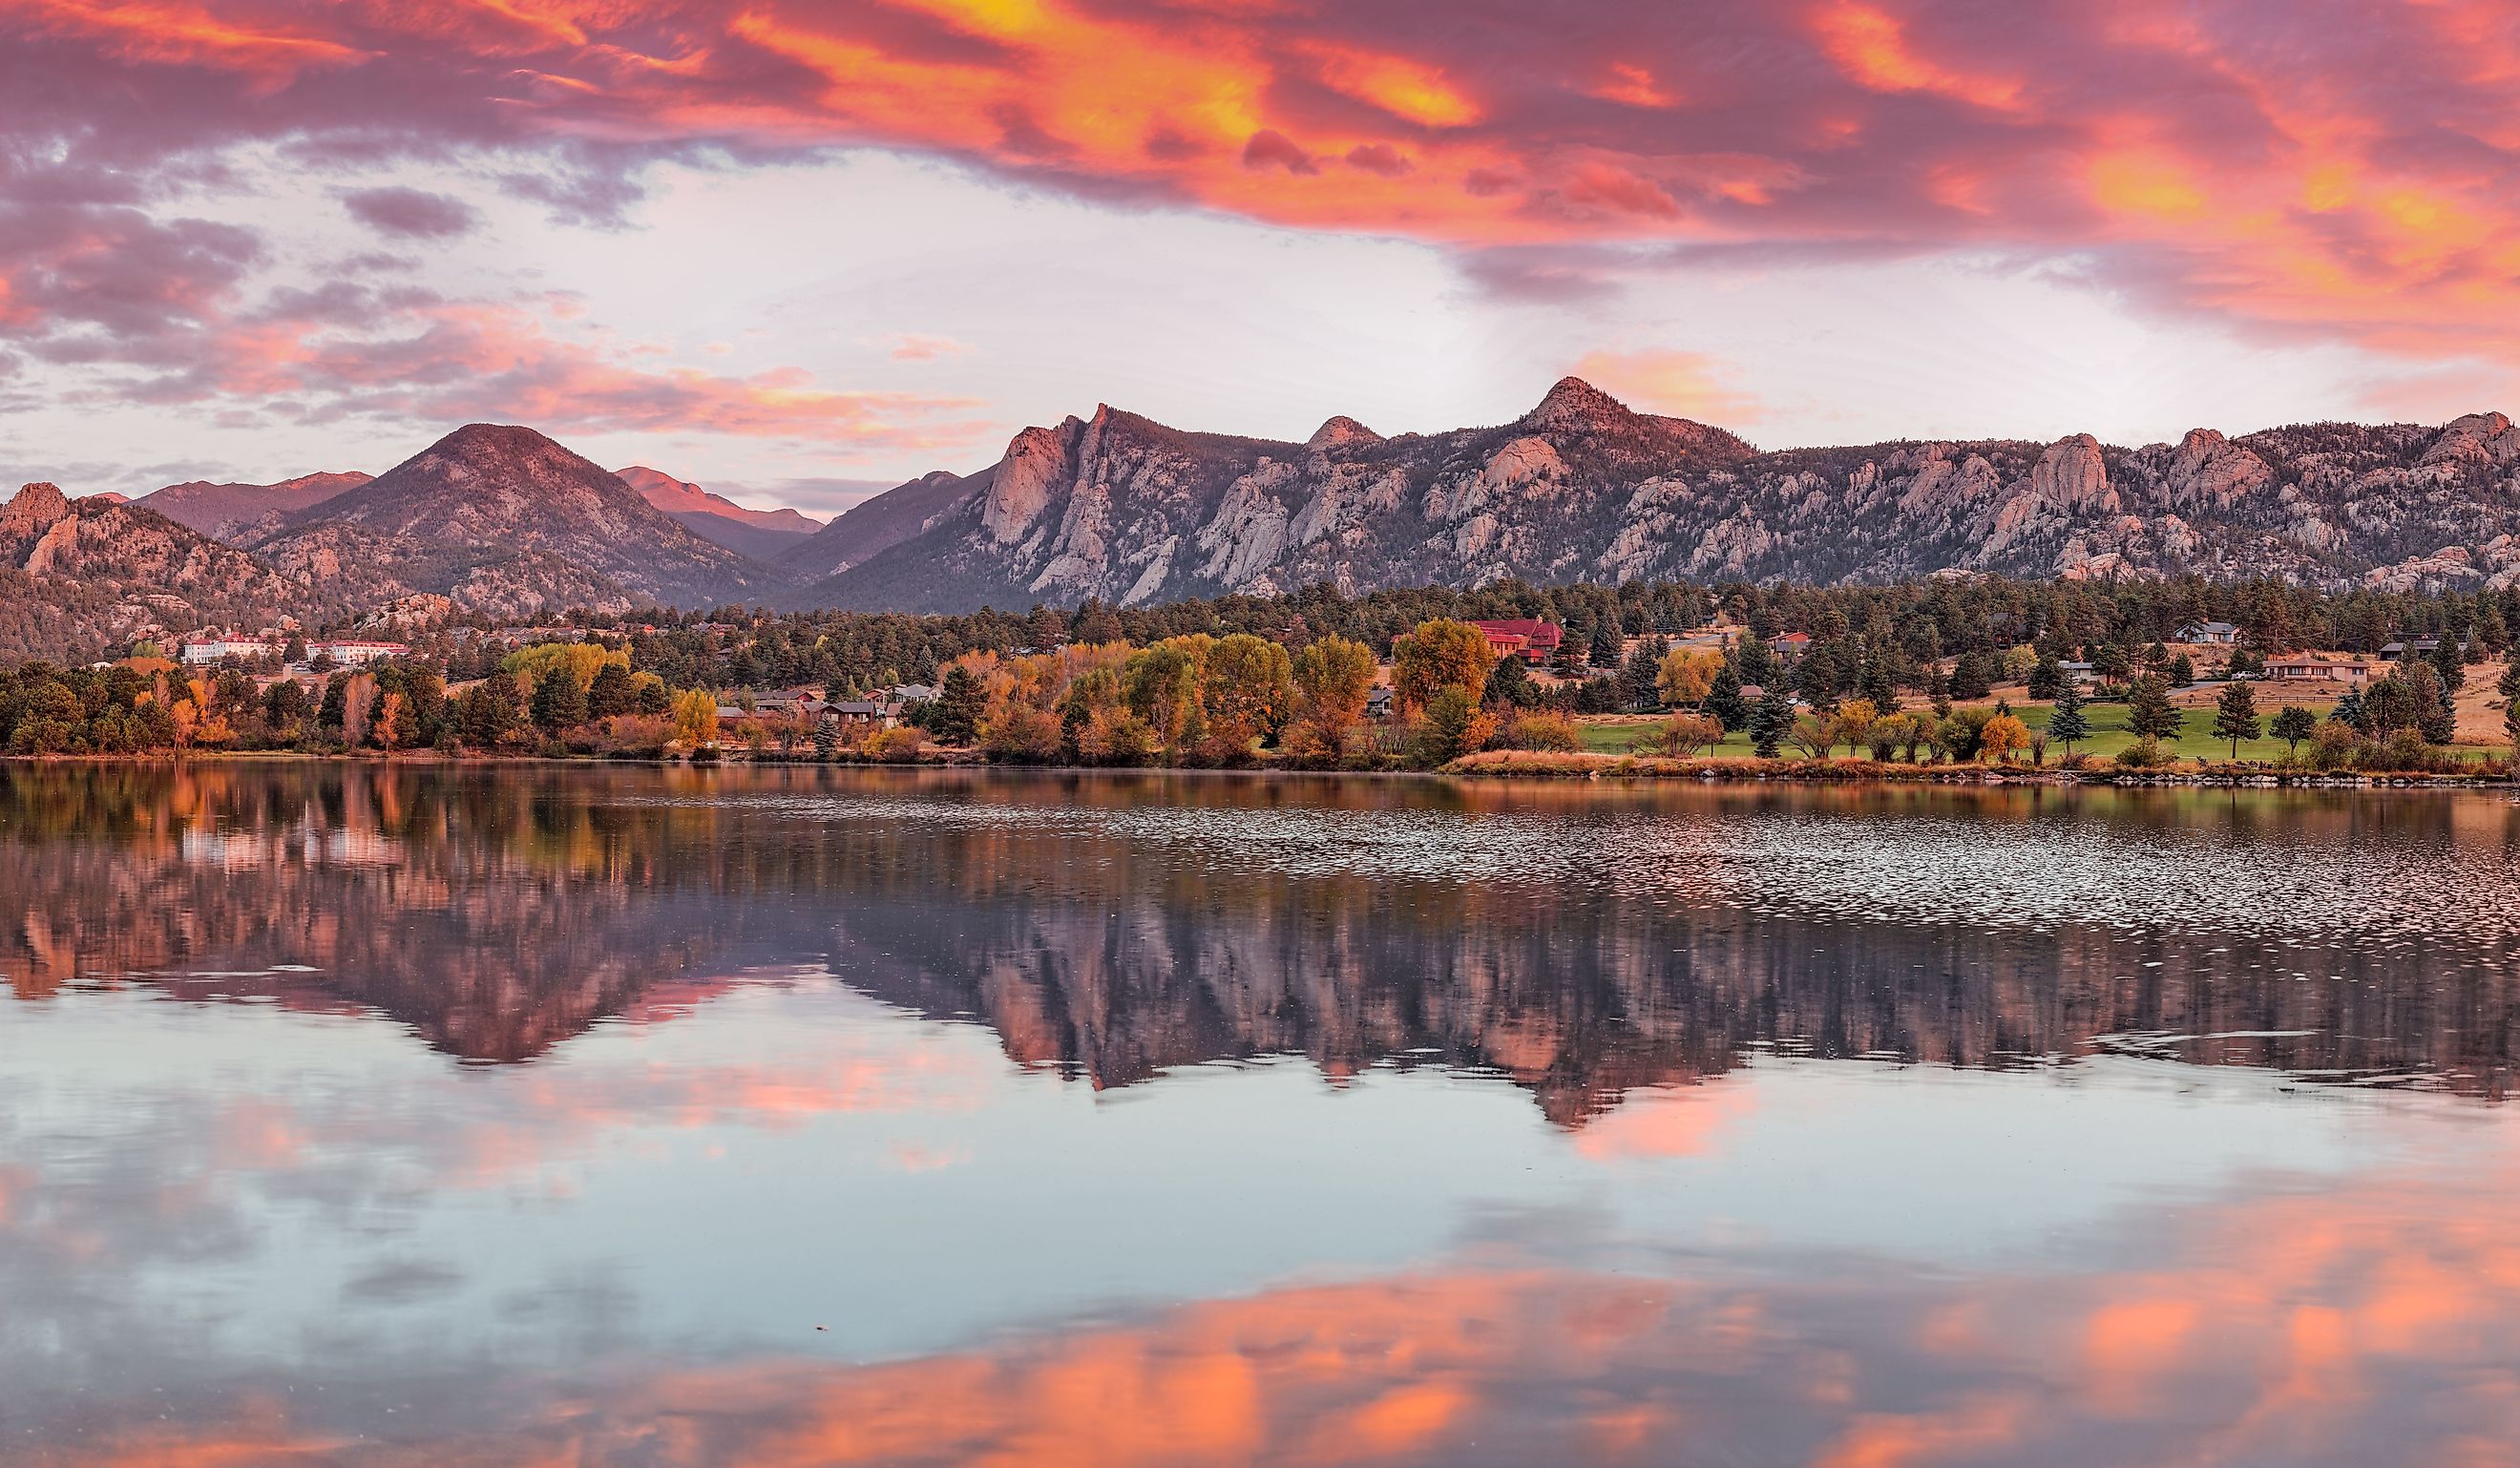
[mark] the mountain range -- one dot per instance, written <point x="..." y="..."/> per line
<point x="1123" y="508"/>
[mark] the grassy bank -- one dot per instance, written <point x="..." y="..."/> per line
<point x="2109" y="731"/>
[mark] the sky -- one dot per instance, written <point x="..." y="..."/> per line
<point x="798" y="252"/>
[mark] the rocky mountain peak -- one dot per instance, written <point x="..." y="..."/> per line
<point x="1574" y="404"/>
<point x="33" y="507"/>
<point x="2477" y="437"/>
<point x="1340" y="430"/>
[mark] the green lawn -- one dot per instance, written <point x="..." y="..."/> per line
<point x="2109" y="721"/>
<point x="2109" y="733"/>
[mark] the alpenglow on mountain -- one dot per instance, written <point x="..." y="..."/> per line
<point x="502" y="520"/>
<point x="1583" y="489"/>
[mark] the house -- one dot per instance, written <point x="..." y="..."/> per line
<point x="2078" y="674"/>
<point x="1377" y="704"/>
<point x="2306" y="668"/>
<point x="799" y="701"/>
<point x="2208" y="634"/>
<point x="1791" y="643"/>
<point x="912" y="693"/>
<point x="351" y="653"/>
<point x="1536" y="641"/>
<point x="2426" y="645"/>
<point x="212" y="650"/>
<point x="874" y="711"/>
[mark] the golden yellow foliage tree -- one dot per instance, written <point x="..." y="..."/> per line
<point x="2004" y="737"/>
<point x="1439" y="654"/>
<point x="1333" y="682"/>
<point x="1687" y="673"/>
<point x="696" y="716"/>
<point x="583" y="660"/>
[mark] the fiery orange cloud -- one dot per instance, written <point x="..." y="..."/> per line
<point x="1874" y="47"/>
<point x="2281" y="1327"/>
<point x="196" y="33"/>
<point x="2246" y="161"/>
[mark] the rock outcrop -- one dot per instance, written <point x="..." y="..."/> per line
<point x="1581" y="488"/>
<point x="80" y="575"/>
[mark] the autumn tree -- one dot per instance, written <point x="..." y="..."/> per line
<point x="2004" y="737"/>
<point x="1249" y="695"/>
<point x="1686" y="675"/>
<point x="1682" y="733"/>
<point x="1165" y="685"/>
<point x="1439" y="654"/>
<point x="393" y="720"/>
<point x="696" y="716"/>
<point x="358" y="706"/>
<point x="1333" y="682"/>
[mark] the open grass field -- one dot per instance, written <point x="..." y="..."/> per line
<point x="2109" y="733"/>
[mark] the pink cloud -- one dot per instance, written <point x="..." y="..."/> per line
<point x="2276" y="167"/>
<point x="914" y="346"/>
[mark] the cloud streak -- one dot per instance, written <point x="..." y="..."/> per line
<point x="2304" y="170"/>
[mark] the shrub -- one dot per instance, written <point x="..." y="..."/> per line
<point x="1542" y="733"/>
<point x="895" y="746"/>
<point x="1454" y="724"/>
<point x="2145" y="753"/>
<point x="1679" y="734"/>
<point x="2332" y="744"/>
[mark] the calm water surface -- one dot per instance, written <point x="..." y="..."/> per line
<point x="384" y="1118"/>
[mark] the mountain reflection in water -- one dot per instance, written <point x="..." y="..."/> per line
<point x="1871" y="1126"/>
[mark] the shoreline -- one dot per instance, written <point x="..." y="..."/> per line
<point x="1486" y="765"/>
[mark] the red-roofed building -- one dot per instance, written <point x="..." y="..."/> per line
<point x="1536" y="641"/>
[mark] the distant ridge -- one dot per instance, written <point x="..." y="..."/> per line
<point x="1581" y="488"/>
<point x="501" y="518"/>
<point x="222" y="511"/>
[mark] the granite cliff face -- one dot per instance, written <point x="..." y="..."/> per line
<point x="77" y="574"/>
<point x="503" y="520"/>
<point x="1583" y="489"/>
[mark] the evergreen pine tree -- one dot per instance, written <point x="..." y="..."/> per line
<point x="1772" y="720"/>
<point x="1607" y="642"/>
<point x="2235" y="716"/>
<point x="2068" y="725"/>
<point x="2150" y="712"/>
<point x="960" y="703"/>
<point x="1724" y="700"/>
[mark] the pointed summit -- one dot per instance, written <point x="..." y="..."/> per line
<point x="1575" y="404"/>
<point x="1340" y="430"/>
<point x="36" y="508"/>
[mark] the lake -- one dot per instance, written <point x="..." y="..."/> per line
<point x="381" y="1116"/>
